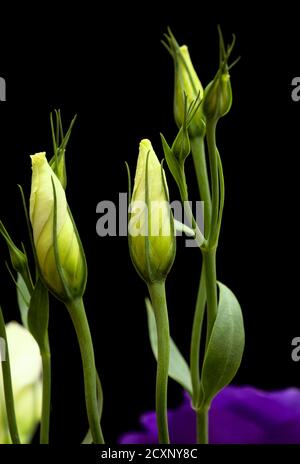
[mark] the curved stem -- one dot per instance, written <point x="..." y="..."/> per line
<point x="46" y="403"/>
<point x="88" y="439"/>
<point x="198" y="153"/>
<point x="158" y="299"/>
<point x="78" y="316"/>
<point x="8" y="389"/>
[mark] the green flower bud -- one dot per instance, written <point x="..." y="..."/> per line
<point x="186" y="83"/>
<point x="61" y="259"/>
<point x="151" y="229"/>
<point x="26" y="371"/>
<point x="217" y="97"/>
<point x="17" y="257"/>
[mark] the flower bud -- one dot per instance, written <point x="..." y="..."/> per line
<point x="217" y="98"/>
<point x="26" y="370"/>
<point x="186" y="83"/>
<point x="17" y="257"/>
<point x="60" y="257"/>
<point x="151" y="228"/>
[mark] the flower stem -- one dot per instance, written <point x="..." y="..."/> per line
<point x="196" y="337"/>
<point x="209" y="259"/>
<point x="214" y="174"/>
<point x="8" y="389"/>
<point x="198" y="153"/>
<point x="202" y="426"/>
<point x="80" y="322"/>
<point x="46" y="404"/>
<point x="158" y="299"/>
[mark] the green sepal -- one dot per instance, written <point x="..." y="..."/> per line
<point x="23" y="298"/>
<point x="225" y="347"/>
<point x="176" y="168"/>
<point x="38" y="314"/>
<point x="60" y="141"/>
<point x="178" y="367"/>
<point x="18" y="257"/>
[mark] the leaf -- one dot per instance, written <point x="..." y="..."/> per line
<point x="23" y="297"/>
<point x="225" y="348"/>
<point x="175" y="168"/>
<point x="38" y="314"/>
<point x="178" y="368"/>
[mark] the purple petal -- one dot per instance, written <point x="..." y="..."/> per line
<point x="237" y="415"/>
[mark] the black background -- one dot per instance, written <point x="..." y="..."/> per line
<point x="109" y="67"/>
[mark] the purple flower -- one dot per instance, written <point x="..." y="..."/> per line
<point x="238" y="415"/>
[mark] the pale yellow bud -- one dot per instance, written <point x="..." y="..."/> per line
<point x="186" y="83"/>
<point x="151" y="231"/>
<point x="64" y="272"/>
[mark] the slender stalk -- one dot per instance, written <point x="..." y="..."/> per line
<point x="202" y="426"/>
<point x="209" y="258"/>
<point x="8" y="388"/>
<point x="196" y="338"/>
<point x="158" y="299"/>
<point x="46" y="402"/>
<point x="214" y="174"/>
<point x="88" y="437"/>
<point x="199" y="237"/>
<point x="198" y="153"/>
<point x="80" y="322"/>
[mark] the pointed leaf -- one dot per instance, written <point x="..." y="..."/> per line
<point x="172" y="162"/>
<point x="23" y="297"/>
<point x="178" y="368"/>
<point x="225" y="348"/>
<point x="38" y="314"/>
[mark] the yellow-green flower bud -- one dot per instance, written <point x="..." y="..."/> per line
<point x="217" y="96"/>
<point x="187" y="83"/>
<point x="26" y="370"/>
<point x="60" y="257"/>
<point x="151" y="228"/>
<point x="18" y="258"/>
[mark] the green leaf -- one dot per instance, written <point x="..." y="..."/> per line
<point x="23" y="297"/>
<point x="175" y="168"/>
<point x="178" y="368"/>
<point x="225" y="348"/>
<point x="38" y="315"/>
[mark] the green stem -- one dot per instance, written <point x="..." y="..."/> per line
<point x="8" y="389"/>
<point x="46" y="403"/>
<point x="80" y="322"/>
<point x="198" y="153"/>
<point x="202" y="426"/>
<point x="158" y="299"/>
<point x="196" y="337"/>
<point x="199" y="237"/>
<point x="214" y="174"/>
<point x="209" y="258"/>
<point x="88" y="437"/>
